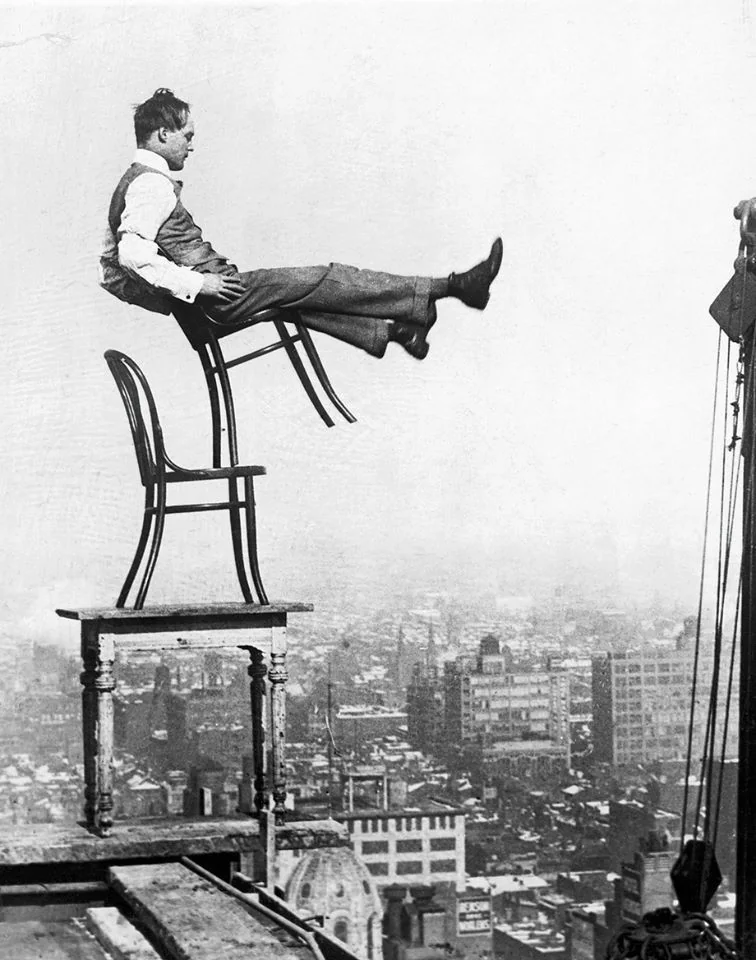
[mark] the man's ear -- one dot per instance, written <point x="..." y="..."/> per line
<point x="162" y="134"/>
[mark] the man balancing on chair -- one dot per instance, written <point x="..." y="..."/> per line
<point x="154" y="252"/>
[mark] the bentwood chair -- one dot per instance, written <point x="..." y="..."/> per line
<point x="204" y="334"/>
<point x="157" y="471"/>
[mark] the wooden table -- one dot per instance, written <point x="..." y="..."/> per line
<point x="194" y="627"/>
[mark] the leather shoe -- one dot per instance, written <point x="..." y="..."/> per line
<point x="412" y="339"/>
<point x="471" y="287"/>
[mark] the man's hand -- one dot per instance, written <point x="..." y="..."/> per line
<point x="216" y="286"/>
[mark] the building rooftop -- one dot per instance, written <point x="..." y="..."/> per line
<point x="508" y="883"/>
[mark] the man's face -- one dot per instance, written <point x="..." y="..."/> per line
<point x="177" y="144"/>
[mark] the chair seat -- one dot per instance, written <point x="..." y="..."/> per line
<point x="196" y="322"/>
<point x="214" y="473"/>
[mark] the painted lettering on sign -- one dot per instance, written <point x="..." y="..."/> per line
<point x="474" y="916"/>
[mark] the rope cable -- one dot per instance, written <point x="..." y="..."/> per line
<point x="726" y="528"/>
<point x="726" y="722"/>
<point x="704" y="779"/>
<point x="707" y="511"/>
<point x="727" y="508"/>
<point x="713" y="808"/>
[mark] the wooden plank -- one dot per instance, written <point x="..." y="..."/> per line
<point x="186" y="610"/>
<point x="55" y="940"/>
<point x="146" y="621"/>
<point x="193" y="920"/>
<point x="87" y="890"/>
<point x="118" y="936"/>
<point x="218" y="640"/>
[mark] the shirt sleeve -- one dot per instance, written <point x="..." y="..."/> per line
<point x="149" y="202"/>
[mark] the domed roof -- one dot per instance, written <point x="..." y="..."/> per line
<point x="334" y="882"/>
<point x="332" y="878"/>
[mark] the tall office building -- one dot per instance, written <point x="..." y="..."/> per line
<point x="425" y="710"/>
<point x="641" y="704"/>
<point x="518" y="715"/>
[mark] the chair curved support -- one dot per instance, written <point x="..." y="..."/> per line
<point x="157" y="539"/>
<point x="149" y="503"/>
<point x="236" y="540"/>
<point x="249" y="492"/>
<point x="228" y="400"/>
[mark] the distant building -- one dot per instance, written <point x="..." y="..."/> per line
<point x="140" y="796"/>
<point x="512" y="894"/>
<point x="641" y="705"/>
<point x="518" y="715"/>
<point x="354" y="725"/>
<point x="528" y="941"/>
<point x="426" y="728"/>
<point x="422" y="843"/>
<point x="428" y="926"/>
<point x="630" y="825"/>
<point x="589" y="931"/>
<point x="643" y="886"/>
<point x="646" y="884"/>
<point x="585" y="886"/>
<point x="410" y="846"/>
<point x="214" y="721"/>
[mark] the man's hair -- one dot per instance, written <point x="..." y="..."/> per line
<point x="163" y="109"/>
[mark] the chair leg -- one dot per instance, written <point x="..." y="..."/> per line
<point x="212" y="392"/>
<point x="254" y="566"/>
<point x="317" y="366"/>
<point x="149" y="501"/>
<point x="157" y="537"/>
<point x="296" y="361"/>
<point x="236" y="540"/>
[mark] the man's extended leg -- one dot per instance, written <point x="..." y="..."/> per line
<point x="356" y="305"/>
<point x="347" y="303"/>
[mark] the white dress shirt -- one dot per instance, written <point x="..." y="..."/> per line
<point x="149" y="201"/>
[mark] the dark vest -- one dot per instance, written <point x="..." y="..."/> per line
<point x="179" y="239"/>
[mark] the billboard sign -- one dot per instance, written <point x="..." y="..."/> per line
<point x="474" y="916"/>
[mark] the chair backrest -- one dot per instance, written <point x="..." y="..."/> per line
<point x="191" y="319"/>
<point x="141" y="413"/>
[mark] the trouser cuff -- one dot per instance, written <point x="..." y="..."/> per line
<point x="421" y="301"/>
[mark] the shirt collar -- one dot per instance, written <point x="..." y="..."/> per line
<point x="149" y="159"/>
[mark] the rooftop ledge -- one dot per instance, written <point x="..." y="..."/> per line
<point x="27" y="844"/>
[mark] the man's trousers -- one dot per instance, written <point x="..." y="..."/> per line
<point x="353" y="305"/>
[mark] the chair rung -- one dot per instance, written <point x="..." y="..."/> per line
<point x="201" y="507"/>
<point x="263" y="351"/>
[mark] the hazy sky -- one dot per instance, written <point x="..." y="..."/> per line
<point x="559" y="434"/>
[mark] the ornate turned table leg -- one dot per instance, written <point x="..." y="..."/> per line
<point x="98" y="680"/>
<point x="277" y="675"/>
<point x="89" y="721"/>
<point x="257" y="672"/>
<point x="104" y="685"/>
